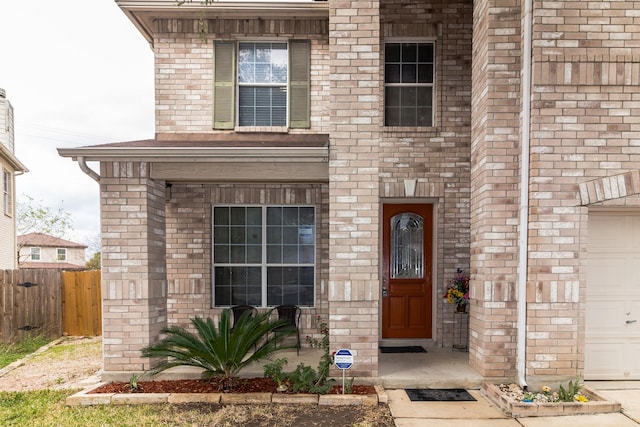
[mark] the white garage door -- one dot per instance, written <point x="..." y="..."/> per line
<point x="613" y="297"/>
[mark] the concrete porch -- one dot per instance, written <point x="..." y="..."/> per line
<point x="438" y="368"/>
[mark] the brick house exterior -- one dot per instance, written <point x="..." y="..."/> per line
<point x="532" y="141"/>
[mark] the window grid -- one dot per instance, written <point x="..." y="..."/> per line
<point x="62" y="254"/>
<point x="284" y="270"/>
<point x="409" y="84"/>
<point x="34" y="254"/>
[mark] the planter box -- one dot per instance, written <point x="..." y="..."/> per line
<point x="596" y="405"/>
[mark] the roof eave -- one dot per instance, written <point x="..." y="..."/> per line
<point x="198" y="154"/>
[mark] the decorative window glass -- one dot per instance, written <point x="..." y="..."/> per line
<point x="263" y="255"/>
<point x="262" y="84"/>
<point x="62" y="254"/>
<point x="409" y="84"/>
<point x="34" y="254"/>
<point x="407" y="254"/>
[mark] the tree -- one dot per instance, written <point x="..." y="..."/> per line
<point x="95" y="262"/>
<point x="33" y="217"/>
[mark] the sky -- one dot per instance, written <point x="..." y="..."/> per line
<point x="77" y="73"/>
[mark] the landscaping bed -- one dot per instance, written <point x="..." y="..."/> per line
<point x="245" y="385"/>
<point x="514" y="407"/>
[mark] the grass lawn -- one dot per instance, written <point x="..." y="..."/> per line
<point x="9" y="353"/>
<point x="47" y="408"/>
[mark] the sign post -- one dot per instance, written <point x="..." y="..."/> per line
<point x="343" y="359"/>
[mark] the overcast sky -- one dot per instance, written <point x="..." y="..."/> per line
<point x="77" y="72"/>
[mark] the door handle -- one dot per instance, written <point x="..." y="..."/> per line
<point x="631" y="321"/>
<point x="384" y="293"/>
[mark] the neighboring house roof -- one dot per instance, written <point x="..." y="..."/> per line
<point x="56" y="265"/>
<point x="47" y="241"/>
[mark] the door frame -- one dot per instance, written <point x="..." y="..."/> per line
<point x="435" y="233"/>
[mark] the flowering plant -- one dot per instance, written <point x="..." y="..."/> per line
<point x="458" y="289"/>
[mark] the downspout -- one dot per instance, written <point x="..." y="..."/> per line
<point x="523" y="233"/>
<point x="86" y="169"/>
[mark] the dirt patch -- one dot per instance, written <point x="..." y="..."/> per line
<point x="245" y="385"/>
<point x="62" y="366"/>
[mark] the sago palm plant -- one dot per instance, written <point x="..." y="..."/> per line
<point x="220" y="351"/>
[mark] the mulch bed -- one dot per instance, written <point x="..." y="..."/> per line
<point x="245" y="385"/>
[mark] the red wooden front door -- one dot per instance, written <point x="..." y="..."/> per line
<point x="406" y="275"/>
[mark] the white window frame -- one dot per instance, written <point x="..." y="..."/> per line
<point x="7" y="190"/>
<point x="432" y="85"/>
<point x="61" y="254"/>
<point x="35" y="253"/>
<point x="264" y="265"/>
<point x="239" y="84"/>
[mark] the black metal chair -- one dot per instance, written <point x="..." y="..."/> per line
<point x="291" y="313"/>
<point x="239" y="310"/>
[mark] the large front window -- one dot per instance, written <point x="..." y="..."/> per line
<point x="263" y="255"/>
<point x="262" y="84"/>
<point x="408" y="84"/>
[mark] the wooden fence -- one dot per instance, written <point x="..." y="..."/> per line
<point x="82" y="305"/>
<point x="49" y="302"/>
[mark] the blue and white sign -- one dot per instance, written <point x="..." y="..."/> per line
<point x="343" y="359"/>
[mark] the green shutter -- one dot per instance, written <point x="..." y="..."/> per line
<point x="299" y="84"/>
<point x="223" y="85"/>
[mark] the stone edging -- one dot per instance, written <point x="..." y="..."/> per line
<point x="596" y="404"/>
<point x="83" y="398"/>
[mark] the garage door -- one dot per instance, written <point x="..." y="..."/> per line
<point x="612" y="336"/>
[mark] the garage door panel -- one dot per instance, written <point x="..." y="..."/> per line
<point x="612" y="346"/>
<point x="604" y="316"/>
<point x="603" y="360"/>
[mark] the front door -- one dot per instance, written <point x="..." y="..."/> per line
<point x="406" y="270"/>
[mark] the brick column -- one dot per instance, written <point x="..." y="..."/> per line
<point x="495" y="188"/>
<point x="354" y="52"/>
<point x="134" y="280"/>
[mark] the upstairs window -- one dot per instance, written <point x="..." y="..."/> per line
<point x="409" y="84"/>
<point x="34" y="254"/>
<point x="261" y="84"/>
<point x="62" y="254"/>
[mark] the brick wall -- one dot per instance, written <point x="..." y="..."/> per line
<point x="495" y="187"/>
<point x="354" y="53"/>
<point x="586" y="101"/>
<point x="133" y="264"/>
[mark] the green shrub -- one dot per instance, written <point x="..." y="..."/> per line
<point x="220" y="351"/>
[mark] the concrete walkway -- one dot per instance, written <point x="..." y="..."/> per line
<point x="482" y="413"/>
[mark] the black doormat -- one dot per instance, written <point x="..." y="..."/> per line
<point x="403" y="349"/>
<point x="439" y="395"/>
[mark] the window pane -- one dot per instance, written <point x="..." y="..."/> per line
<point x="392" y="96"/>
<point x="307" y="254"/>
<point x="238" y="235"/>
<point x="274" y="254"/>
<point x="254" y="235"/>
<point x="254" y="254"/>
<point x="221" y="254"/>
<point x="220" y="216"/>
<point x="254" y="216"/>
<point x="290" y="254"/>
<point x="392" y="52"/>
<point x="274" y="215"/>
<point x="409" y="52"/>
<point x="307" y="216"/>
<point x="425" y="73"/>
<point x="392" y="73"/>
<point x="274" y="235"/>
<point x="409" y="73"/>
<point x="221" y="234"/>
<point x="238" y="216"/>
<point x="290" y="216"/>
<point x="238" y="254"/>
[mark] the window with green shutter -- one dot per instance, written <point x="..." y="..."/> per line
<point x="261" y="83"/>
